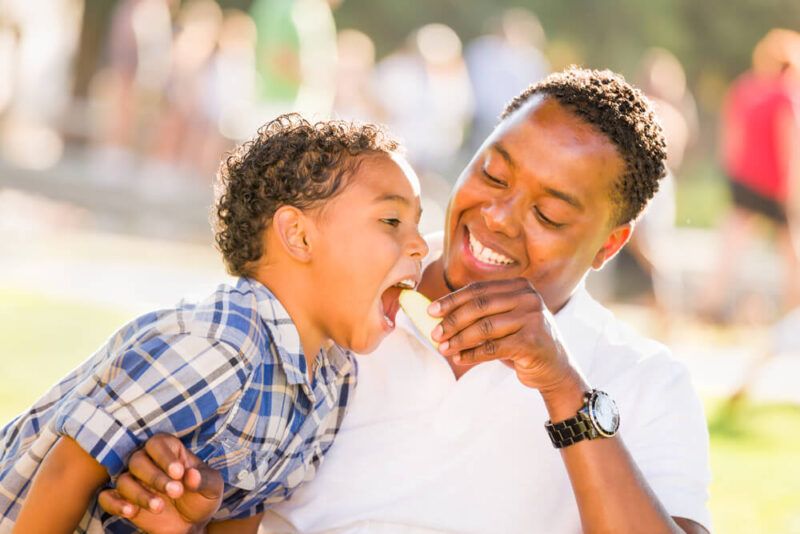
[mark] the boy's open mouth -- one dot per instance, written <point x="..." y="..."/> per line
<point x="390" y="300"/>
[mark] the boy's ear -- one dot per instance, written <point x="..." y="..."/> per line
<point x="291" y="227"/>
<point x="613" y="244"/>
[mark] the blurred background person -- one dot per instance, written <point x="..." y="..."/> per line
<point x="139" y="52"/>
<point x="501" y="64"/>
<point x="645" y="270"/>
<point x="233" y="98"/>
<point x="38" y="41"/>
<point x="759" y="134"/>
<point x="295" y="56"/>
<point x="187" y="135"/>
<point x="424" y="92"/>
<point x="355" y="97"/>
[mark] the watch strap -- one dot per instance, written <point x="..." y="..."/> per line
<point x="571" y="431"/>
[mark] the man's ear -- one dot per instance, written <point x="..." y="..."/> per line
<point x="291" y="227"/>
<point x="613" y="244"/>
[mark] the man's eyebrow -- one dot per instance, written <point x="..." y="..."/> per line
<point x="505" y="155"/>
<point x="569" y="199"/>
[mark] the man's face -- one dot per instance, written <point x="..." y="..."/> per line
<point x="535" y="202"/>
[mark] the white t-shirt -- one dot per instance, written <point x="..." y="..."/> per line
<point x="420" y="451"/>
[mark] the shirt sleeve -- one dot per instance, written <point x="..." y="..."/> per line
<point x="667" y="435"/>
<point x="171" y="384"/>
<point x="250" y="512"/>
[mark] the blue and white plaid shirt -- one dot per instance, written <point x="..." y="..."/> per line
<point x="226" y="375"/>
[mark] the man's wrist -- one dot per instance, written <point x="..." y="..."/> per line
<point x="564" y="401"/>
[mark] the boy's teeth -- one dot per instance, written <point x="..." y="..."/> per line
<point x="485" y="254"/>
<point x="406" y="284"/>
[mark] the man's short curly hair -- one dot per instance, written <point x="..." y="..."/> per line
<point x="606" y="101"/>
<point x="292" y="162"/>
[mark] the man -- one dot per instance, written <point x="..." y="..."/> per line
<point x="456" y="441"/>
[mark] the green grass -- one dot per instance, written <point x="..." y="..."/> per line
<point x="41" y="340"/>
<point x="755" y="461"/>
<point x="755" y="449"/>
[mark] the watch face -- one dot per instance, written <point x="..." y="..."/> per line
<point x="603" y="410"/>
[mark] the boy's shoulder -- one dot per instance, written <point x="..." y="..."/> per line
<point x="236" y="314"/>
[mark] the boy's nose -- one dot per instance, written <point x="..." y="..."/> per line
<point x="418" y="248"/>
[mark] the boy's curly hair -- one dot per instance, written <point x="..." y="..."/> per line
<point x="606" y="101"/>
<point x="291" y="162"/>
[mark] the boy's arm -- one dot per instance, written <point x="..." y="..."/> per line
<point x="248" y="525"/>
<point x="61" y="490"/>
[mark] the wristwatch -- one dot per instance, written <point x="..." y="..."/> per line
<point x="599" y="418"/>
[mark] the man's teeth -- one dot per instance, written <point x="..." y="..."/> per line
<point x="485" y="254"/>
<point x="408" y="283"/>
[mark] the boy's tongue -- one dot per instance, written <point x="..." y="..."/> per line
<point x="391" y="302"/>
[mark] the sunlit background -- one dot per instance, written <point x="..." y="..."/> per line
<point x="115" y="113"/>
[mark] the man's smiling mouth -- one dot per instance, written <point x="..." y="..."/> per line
<point x="485" y="254"/>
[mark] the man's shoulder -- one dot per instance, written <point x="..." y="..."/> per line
<point x="617" y="347"/>
<point x="642" y="374"/>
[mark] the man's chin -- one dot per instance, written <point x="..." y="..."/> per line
<point x="450" y="285"/>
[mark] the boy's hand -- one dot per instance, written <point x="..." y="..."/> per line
<point x="166" y="489"/>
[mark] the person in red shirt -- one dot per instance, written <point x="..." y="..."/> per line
<point x="760" y="128"/>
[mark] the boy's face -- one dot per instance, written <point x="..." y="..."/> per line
<point x="535" y="202"/>
<point x="368" y="243"/>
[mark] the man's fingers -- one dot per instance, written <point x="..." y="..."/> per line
<point x="135" y="493"/>
<point x="492" y="349"/>
<point x="205" y="481"/>
<point x="483" y="306"/>
<point x="142" y="466"/>
<point x="168" y="453"/>
<point x="113" y="503"/>
<point x="475" y="290"/>
<point x="485" y="330"/>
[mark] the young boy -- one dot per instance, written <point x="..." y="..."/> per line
<point x="319" y="222"/>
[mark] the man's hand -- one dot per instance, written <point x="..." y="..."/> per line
<point x="504" y="320"/>
<point x="166" y="489"/>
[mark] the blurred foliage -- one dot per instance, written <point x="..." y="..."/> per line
<point x="714" y="36"/>
<point x="713" y="39"/>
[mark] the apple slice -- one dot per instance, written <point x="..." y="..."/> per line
<point x="415" y="305"/>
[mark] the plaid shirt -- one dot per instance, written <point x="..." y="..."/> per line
<point x="227" y="376"/>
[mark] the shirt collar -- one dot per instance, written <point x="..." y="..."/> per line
<point x="286" y="338"/>
<point x="581" y="322"/>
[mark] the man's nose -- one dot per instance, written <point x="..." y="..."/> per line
<point x="501" y="216"/>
